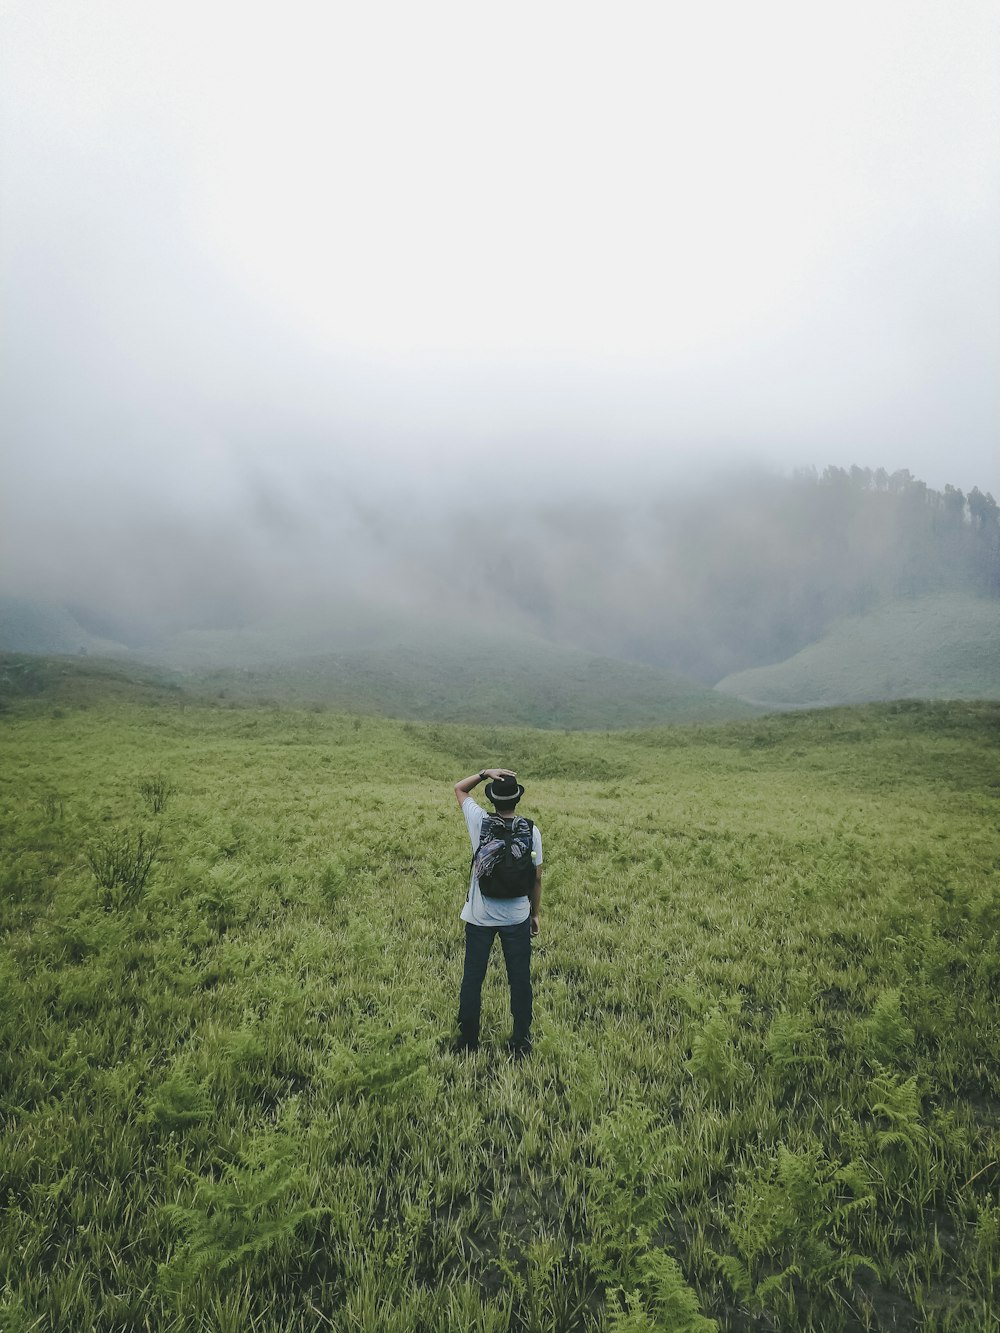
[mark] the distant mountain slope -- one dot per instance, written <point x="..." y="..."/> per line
<point x="942" y="647"/>
<point x="28" y="626"/>
<point x="30" y="678"/>
<point x="356" y="657"/>
<point x="475" y="678"/>
<point x="428" y="672"/>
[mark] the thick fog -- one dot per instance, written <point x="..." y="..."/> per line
<point x="342" y="297"/>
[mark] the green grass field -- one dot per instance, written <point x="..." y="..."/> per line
<point x="766" y="1082"/>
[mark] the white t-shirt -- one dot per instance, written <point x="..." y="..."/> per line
<point x="494" y="911"/>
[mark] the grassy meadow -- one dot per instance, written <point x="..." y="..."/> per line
<point x="766" y="1081"/>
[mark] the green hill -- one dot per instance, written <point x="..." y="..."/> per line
<point x="30" y="626"/>
<point x="477" y="678"/>
<point x="81" y="682"/>
<point x="518" y="682"/>
<point x="942" y="647"/>
<point x="358" y="657"/>
<point x="353" y="656"/>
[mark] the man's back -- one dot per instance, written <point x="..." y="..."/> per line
<point x="514" y="918"/>
<point x="483" y="909"/>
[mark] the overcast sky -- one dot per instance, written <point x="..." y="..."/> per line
<point x="327" y="238"/>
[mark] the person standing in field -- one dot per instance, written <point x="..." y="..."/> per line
<point x="505" y="896"/>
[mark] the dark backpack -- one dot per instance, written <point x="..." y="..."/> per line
<point x="503" y="861"/>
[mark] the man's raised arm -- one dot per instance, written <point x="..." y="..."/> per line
<point x="463" y="788"/>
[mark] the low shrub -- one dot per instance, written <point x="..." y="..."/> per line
<point x="122" y="862"/>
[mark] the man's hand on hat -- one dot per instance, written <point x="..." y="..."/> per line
<point x="494" y="774"/>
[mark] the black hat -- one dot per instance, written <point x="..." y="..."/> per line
<point x="504" y="791"/>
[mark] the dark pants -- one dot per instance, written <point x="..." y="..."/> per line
<point x="516" y="944"/>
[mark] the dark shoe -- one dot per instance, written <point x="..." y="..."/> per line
<point x="519" y="1050"/>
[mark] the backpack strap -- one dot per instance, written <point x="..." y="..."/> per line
<point x="487" y="831"/>
<point x="509" y="838"/>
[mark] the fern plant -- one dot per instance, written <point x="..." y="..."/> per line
<point x="675" y="1304"/>
<point x="231" y="1222"/>
<point x="629" y="1189"/>
<point x="393" y="1070"/>
<point x="714" y="1060"/>
<point x="179" y="1103"/>
<point x="626" y="1314"/>
<point x="794" y="1223"/>
<point x="886" y="1037"/>
<point x="897" y="1104"/>
<point x="666" y="1304"/>
<point x="795" y="1046"/>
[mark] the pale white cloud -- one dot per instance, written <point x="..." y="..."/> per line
<point x="574" y="230"/>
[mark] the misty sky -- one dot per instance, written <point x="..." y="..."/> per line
<point x="366" y="245"/>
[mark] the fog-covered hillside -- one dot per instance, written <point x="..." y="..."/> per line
<point x="740" y="572"/>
